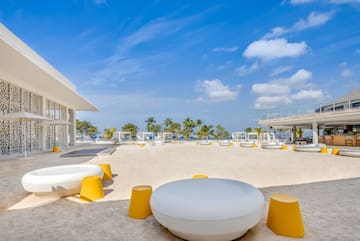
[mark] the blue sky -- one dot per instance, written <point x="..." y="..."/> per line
<point x="227" y="62"/>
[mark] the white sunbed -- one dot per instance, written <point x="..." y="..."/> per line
<point x="351" y="153"/>
<point x="309" y="148"/>
<point x="272" y="145"/>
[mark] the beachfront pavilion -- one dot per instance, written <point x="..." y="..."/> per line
<point x="339" y="121"/>
<point x="28" y="84"/>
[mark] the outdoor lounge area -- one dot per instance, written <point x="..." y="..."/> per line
<point x="312" y="188"/>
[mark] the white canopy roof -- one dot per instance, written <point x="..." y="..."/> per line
<point x="22" y="66"/>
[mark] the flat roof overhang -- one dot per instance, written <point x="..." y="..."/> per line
<point x="327" y="118"/>
<point x="22" y="66"/>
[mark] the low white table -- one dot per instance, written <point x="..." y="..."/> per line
<point x="59" y="180"/>
<point x="208" y="209"/>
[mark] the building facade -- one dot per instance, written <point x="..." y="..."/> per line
<point x="29" y="84"/>
<point x="336" y="123"/>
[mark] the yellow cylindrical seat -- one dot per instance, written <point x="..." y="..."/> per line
<point x="200" y="176"/>
<point x="231" y="144"/>
<point x="284" y="216"/>
<point x="56" y="149"/>
<point x="91" y="188"/>
<point x="107" y="171"/>
<point x="254" y="145"/>
<point x="140" y="202"/>
<point x="335" y="151"/>
<point x="142" y="145"/>
<point x="294" y="148"/>
<point x="284" y="147"/>
<point x="324" y="150"/>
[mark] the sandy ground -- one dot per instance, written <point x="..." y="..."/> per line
<point x="330" y="209"/>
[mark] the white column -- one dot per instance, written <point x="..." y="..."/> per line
<point x="315" y="132"/>
<point x="43" y="128"/>
<point x="72" y="128"/>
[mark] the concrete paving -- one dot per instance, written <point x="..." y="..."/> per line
<point x="12" y="170"/>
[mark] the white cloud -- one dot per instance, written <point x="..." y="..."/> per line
<point x="285" y="91"/>
<point x="119" y="67"/>
<point x="270" y="89"/>
<point x="231" y="49"/>
<point x="276" y="32"/>
<point x="243" y="70"/>
<point x="309" y="95"/>
<point x="216" y="91"/>
<point x="270" y="102"/>
<point x="314" y="19"/>
<point x="298" y="2"/>
<point x="280" y="70"/>
<point x="346" y="73"/>
<point x="298" y="79"/>
<point x="274" y="48"/>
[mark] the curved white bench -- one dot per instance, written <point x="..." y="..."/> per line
<point x="224" y="143"/>
<point x="59" y="180"/>
<point x="309" y="148"/>
<point x="247" y="144"/>
<point x="273" y="145"/>
<point x="206" y="142"/>
<point x="352" y="153"/>
<point x="208" y="209"/>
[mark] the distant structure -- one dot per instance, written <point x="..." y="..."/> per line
<point x="31" y="86"/>
<point x="338" y="122"/>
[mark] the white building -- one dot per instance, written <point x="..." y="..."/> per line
<point x="339" y="121"/>
<point x="29" y="84"/>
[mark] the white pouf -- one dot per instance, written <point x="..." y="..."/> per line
<point x="59" y="180"/>
<point x="208" y="209"/>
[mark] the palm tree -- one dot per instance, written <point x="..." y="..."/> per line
<point x="259" y="131"/>
<point x="221" y="132"/>
<point x="248" y="129"/>
<point x="130" y="127"/>
<point x="205" y="131"/>
<point x="174" y="128"/>
<point x="188" y="127"/>
<point x="109" y="133"/>
<point x="167" y="124"/>
<point x="155" y="128"/>
<point x="150" y="121"/>
<point x="299" y="133"/>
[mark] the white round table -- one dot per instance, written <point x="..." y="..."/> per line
<point x="59" y="180"/>
<point x="208" y="209"/>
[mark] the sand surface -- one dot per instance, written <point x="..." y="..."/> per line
<point x="330" y="209"/>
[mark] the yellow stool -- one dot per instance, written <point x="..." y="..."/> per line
<point x="284" y="147"/>
<point x="335" y="151"/>
<point x="91" y="188"/>
<point x="324" y="150"/>
<point x="284" y="216"/>
<point x="199" y="176"/>
<point x="107" y="171"/>
<point x="294" y="148"/>
<point x="142" y="145"/>
<point x="254" y="145"/>
<point x="56" y="149"/>
<point x="140" y="202"/>
<point x="231" y="144"/>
